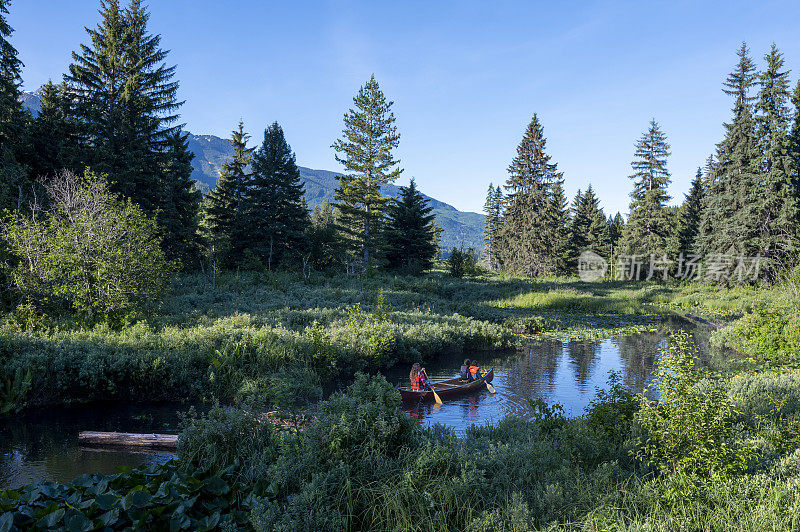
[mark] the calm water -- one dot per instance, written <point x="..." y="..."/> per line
<point x="44" y="445"/>
<point x="566" y="373"/>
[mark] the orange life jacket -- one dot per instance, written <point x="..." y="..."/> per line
<point x="416" y="382"/>
<point x="473" y="370"/>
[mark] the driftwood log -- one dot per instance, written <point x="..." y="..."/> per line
<point x="167" y="442"/>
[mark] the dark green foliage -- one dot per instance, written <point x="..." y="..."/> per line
<point x="160" y="497"/>
<point x="410" y="234"/>
<point x="533" y="216"/>
<point x="180" y="204"/>
<point x="588" y="228"/>
<point x="224" y="206"/>
<point x="491" y="229"/>
<point x="326" y="250"/>
<point x="125" y="97"/>
<point x="14" y="391"/>
<point x="777" y="208"/>
<point x="615" y="227"/>
<point x="649" y="224"/>
<point x="794" y="154"/>
<point x="365" y="151"/>
<point x="730" y="210"/>
<point x="53" y="134"/>
<point x="688" y="219"/>
<point x="612" y="410"/>
<point x="461" y="262"/>
<point x="275" y="217"/>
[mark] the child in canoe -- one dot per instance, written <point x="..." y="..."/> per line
<point x="419" y="378"/>
<point x="475" y="371"/>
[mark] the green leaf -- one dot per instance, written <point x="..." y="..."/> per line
<point x="106" y="501"/>
<point x="138" y="498"/>
<point x="52" y="518"/>
<point x="6" y="521"/>
<point x="75" y="521"/>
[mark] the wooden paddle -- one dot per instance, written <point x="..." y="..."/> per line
<point x="435" y="395"/>
<point x="489" y="387"/>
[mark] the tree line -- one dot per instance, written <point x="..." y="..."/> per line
<point x="744" y="201"/>
<point x="114" y="118"/>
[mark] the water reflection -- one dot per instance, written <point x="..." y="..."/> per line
<point x="44" y="446"/>
<point x="567" y="373"/>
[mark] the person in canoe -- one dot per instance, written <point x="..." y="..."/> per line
<point x="474" y="371"/>
<point x="465" y="370"/>
<point x="419" y="378"/>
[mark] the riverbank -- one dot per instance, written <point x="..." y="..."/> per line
<point x="231" y="341"/>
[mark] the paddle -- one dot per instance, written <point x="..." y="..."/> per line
<point x="489" y="387"/>
<point x="435" y="395"/>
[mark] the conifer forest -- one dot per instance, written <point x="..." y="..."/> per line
<point x="645" y="363"/>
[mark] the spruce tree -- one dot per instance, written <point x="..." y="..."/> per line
<point x="687" y="224"/>
<point x="53" y="134"/>
<point x="13" y="178"/>
<point x="125" y="97"/>
<point x="648" y="226"/>
<point x="276" y="216"/>
<point x="180" y="204"/>
<point x="224" y="206"/>
<point x="525" y="234"/>
<point x="730" y="210"/>
<point x="615" y="227"/>
<point x="411" y="234"/>
<point x="777" y="207"/>
<point x="557" y="227"/>
<point x="365" y="151"/>
<point x="794" y="153"/>
<point x="493" y="207"/>
<point x="588" y="227"/>
<point x="325" y="245"/>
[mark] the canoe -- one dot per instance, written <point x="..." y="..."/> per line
<point x="446" y="389"/>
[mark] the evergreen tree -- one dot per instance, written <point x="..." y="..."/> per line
<point x="365" y="151"/>
<point x="13" y="178"/>
<point x="688" y="219"/>
<point x="126" y="99"/>
<point x="181" y="200"/>
<point x="494" y="210"/>
<point x="648" y="226"/>
<point x="557" y="224"/>
<point x="525" y="236"/>
<point x="224" y="206"/>
<point x="794" y="153"/>
<point x="411" y="234"/>
<point x="615" y="227"/>
<point x="730" y="210"/>
<point x="777" y="207"/>
<point x="53" y="134"/>
<point x="276" y="213"/>
<point x="325" y="245"/>
<point x="588" y="227"/>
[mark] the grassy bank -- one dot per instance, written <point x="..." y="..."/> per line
<point x="229" y="340"/>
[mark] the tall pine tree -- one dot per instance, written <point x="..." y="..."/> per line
<point x="180" y="203"/>
<point x="276" y="216"/>
<point x="491" y="227"/>
<point x="615" y="227"/>
<point x="411" y="234"/>
<point x="588" y="229"/>
<point x="729" y="222"/>
<point x="13" y="178"/>
<point x="648" y="226"/>
<point x="224" y="206"/>
<point x="365" y="151"/>
<point x="53" y="134"/>
<point x="777" y="206"/>
<point x="794" y="153"/>
<point x="526" y="235"/>
<point x="125" y="97"/>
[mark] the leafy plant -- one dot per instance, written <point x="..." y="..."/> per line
<point x="461" y="263"/>
<point x="689" y="430"/>
<point x="14" y="391"/>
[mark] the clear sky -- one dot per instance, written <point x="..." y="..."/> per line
<point x="466" y="77"/>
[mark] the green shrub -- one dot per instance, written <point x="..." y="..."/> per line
<point x="612" y="410"/>
<point x="461" y="263"/>
<point x="688" y="431"/>
<point x="91" y="252"/>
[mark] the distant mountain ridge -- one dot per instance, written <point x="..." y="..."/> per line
<point x="459" y="229"/>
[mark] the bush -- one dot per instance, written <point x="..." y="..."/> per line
<point x="461" y="263"/>
<point x="89" y="251"/>
<point x="688" y="431"/>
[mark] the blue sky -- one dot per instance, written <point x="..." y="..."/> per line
<point x="466" y="77"/>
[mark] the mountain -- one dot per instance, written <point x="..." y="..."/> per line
<point x="458" y="228"/>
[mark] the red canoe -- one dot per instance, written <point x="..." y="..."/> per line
<point x="446" y="389"/>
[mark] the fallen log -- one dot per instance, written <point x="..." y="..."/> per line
<point x="167" y="442"/>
